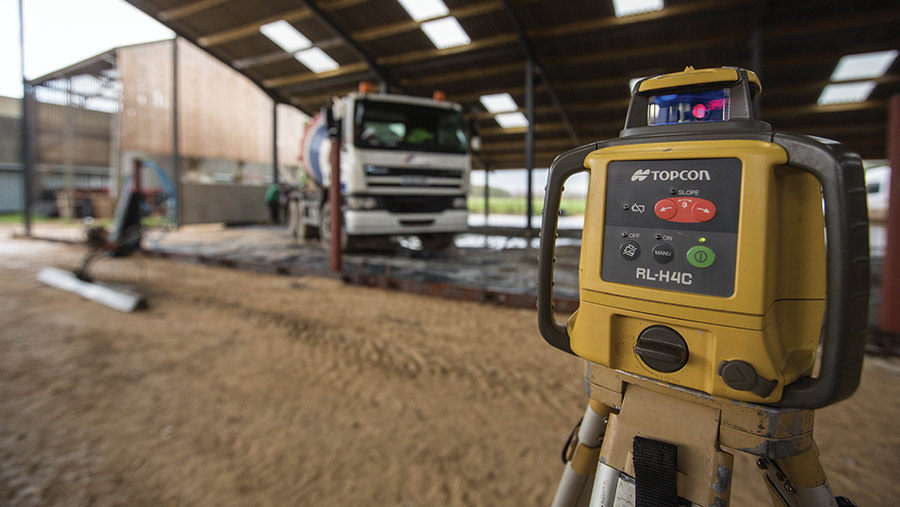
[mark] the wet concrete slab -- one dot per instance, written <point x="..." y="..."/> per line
<point x="481" y="261"/>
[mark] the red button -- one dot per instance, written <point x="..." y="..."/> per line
<point x="703" y="210"/>
<point x="665" y="209"/>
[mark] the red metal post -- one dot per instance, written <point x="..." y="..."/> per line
<point x="136" y="177"/>
<point x="334" y="203"/>
<point x="890" y="274"/>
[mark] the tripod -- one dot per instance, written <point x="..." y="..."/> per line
<point x="645" y="442"/>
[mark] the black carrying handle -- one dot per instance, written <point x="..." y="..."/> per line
<point x="840" y="172"/>
<point x="564" y="166"/>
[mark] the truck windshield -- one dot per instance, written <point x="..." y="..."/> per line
<point x="396" y="126"/>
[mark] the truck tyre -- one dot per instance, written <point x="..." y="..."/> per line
<point x="294" y="218"/>
<point x="436" y="242"/>
<point x="325" y="228"/>
<point x="305" y="231"/>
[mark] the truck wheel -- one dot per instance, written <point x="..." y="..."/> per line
<point x="294" y="218"/>
<point x="436" y="242"/>
<point x="325" y="228"/>
<point x="304" y="230"/>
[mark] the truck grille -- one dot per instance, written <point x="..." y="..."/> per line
<point x="417" y="203"/>
<point x="413" y="177"/>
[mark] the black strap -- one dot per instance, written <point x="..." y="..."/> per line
<point x="654" y="473"/>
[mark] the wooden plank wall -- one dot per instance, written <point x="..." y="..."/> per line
<point x="291" y="124"/>
<point x="222" y="115"/>
<point x="146" y="120"/>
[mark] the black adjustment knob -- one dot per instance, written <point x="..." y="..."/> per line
<point x="741" y="376"/>
<point x="662" y="349"/>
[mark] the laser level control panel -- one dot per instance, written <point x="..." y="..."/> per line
<point x="672" y="224"/>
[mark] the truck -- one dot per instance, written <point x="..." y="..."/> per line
<point x="404" y="171"/>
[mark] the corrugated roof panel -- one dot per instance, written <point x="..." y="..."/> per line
<point x="580" y="41"/>
<point x="248" y="47"/>
<point x="370" y="14"/>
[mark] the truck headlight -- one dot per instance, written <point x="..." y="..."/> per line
<point x="459" y="202"/>
<point x="362" y="203"/>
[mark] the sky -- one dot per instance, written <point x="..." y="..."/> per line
<point x="59" y="33"/>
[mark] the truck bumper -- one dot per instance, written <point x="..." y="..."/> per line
<point x="384" y="222"/>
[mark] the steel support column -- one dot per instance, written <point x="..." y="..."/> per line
<point x="335" y="198"/>
<point x="532" y="60"/>
<point x="274" y="142"/>
<point x="176" y="149"/>
<point x="890" y="274"/>
<point x="487" y="194"/>
<point x="27" y="125"/>
<point x="756" y="50"/>
<point x="69" y="153"/>
<point x="529" y="143"/>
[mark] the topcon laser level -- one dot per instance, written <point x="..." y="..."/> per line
<point x="708" y="265"/>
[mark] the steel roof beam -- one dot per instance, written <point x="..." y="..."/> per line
<point x="183" y="11"/>
<point x="400" y="27"/>
<point x="281" y="55"/>
<point x="531" y="55"/>
<point x="252" y="27"/>
<point x="143" y="6"/>
<point x="324" y="19"/>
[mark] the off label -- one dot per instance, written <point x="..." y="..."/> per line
<point x="662" y="275"/>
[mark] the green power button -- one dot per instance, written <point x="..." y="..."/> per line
<point x="701" y="256"/>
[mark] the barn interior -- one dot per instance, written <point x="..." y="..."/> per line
<point x="422" y="361"/>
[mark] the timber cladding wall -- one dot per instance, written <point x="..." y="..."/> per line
<point x="145" y="124"/>
<point x="221" y="114"/>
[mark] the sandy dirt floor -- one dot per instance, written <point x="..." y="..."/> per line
<point x="236" y="388"/>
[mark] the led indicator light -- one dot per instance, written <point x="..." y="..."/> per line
<point x="702" y="240"/>
<point x="700" y="111"/>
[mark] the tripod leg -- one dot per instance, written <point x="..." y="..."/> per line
<point x="574" y="488"/>
<point x="798" y="481"/>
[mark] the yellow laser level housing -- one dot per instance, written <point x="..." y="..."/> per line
<point x="707" y="261"/>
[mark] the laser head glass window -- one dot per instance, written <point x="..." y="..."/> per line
<point x="671" y="109"/>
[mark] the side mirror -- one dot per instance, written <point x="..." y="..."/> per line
<point x="330" y="122"/>
<point x="474" y="134"/>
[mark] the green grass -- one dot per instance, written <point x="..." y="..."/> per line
<point x="19" y="218"/>
<point x="517" y="205"/>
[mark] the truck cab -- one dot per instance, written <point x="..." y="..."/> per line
<point x="404" y="166"/>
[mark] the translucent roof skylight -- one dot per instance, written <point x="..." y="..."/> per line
<point x="842" y="93"/>
<point x="446" y="33"/>
<point x="864" y="65"/>
<point x="630" y="7"/>
<point x="511" y="120"/>
<point x="317" y="60"/>
<point x="498" y="102"/>
<point x="424" y="9"/>
<point x="285" y="35"/>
